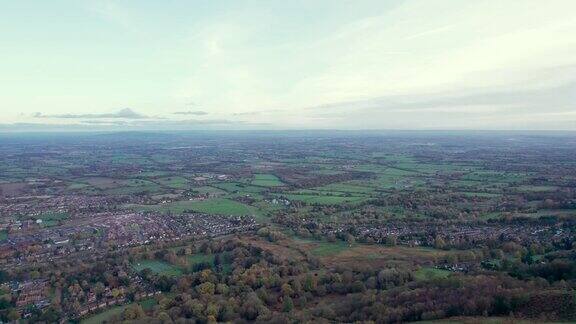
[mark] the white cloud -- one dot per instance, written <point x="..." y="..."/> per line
<point x="418" y="47"/>
<point x="361" y="64"/>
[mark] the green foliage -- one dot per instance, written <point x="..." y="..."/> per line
<point x="287" y="304"/>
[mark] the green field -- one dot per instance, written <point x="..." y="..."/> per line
<point x="531" y="188"/>
<point x="219" y="206"/>
<point x="494" y="177"/>
<point x="549" y="212"/>
<point x="479" y="194"/>
<point x="200" y="258"/>
<point x="134" y="186"/>
<point x="152" y="174"/>
<point x="428" y="273"/>
<point x="324" y="199"/>
<point x="54" y="216"/>
<point x="266" y="180"/>
<point x="491" y="215"/>
<point x="238" y="187"/>
<point x="345" y="187"/>
<point x="78" y="185"/>
<point x="174" y="182"/>
<point x="3" y="235"/>
<point x="223" y="207"/>
<point x="329" y="248"/>
<point x="105" y="315"/>
<point x="158" y="267"/>
<point x="49" y="219"/>
<point x="209" y="190"/>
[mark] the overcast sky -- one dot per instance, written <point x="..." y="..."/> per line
<point x="310" y="64"/>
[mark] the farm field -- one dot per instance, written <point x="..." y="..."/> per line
<point x="209" y="190"/>
<point x="238" y="187"/>
<point x="223" y="207"/>
<point x="174" y="182"/>
<point x="344" y="187"/>
<point x="531" y="188"/>
<point x="428" y="273"/>
<point x="326" y="249"/>
<point x="383" y="255"/>
<point x="323" y="199"/>
<point x="266" y="180"/>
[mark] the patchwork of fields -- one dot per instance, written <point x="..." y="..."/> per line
<point x="292" y="228"/>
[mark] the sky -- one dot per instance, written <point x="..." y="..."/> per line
<point x="276" y="64"/>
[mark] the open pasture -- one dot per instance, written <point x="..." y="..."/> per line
<point x="173" y="182"/>
<point x="346" y="187"/>
<point x="430" y="273"/>
<point x="266" y="180"/>
<point x="102" y="183"/>
<point x="209" y="190"/>
<point x="494" y="177"/>
<point x="158" y="267"/>
<point x="220" y="206"/>
<point x="52" y="218"/>
<point x="238" y="187"/>
<point x="535" y="188"/>
<point x="378" y="255"/>
<point x="324" y="199"/>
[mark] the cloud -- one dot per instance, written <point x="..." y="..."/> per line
<point x="393" y="54"/>
<point x="198" y="124"/>
<point x="261" y="112"/>
<point x="105" y="122"/>
<point x="560" y="97"/>
<point x="125" y="113"/>
<point x="248" y="113"/>
<point x="551" y="107"/>
<point x="195" y="113"/>
<point x="375" y="64"/>
<point x="44" y="127"/>
<point x="192" y="122"/>
<point x="136" y="125"/>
